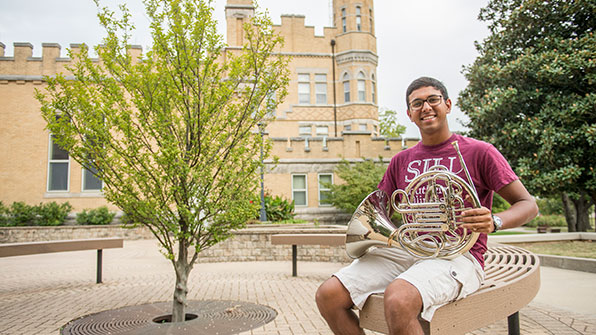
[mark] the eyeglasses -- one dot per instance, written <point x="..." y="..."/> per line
<point x="433" y="100"/>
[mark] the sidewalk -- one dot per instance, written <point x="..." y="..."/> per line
<point x="41" y="293"/>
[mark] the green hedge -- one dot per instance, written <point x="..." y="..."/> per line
<point x="44" y="214"/>
<point x="548" y="220"/>
<point x="97" y="216"/>
<point x="277" y="208"/>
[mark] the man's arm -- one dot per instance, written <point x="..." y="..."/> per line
<point x="523" y="209"/>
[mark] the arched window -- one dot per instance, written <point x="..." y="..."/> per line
<point x="361" y="86"/>
<point x="346" y="80"/>
<point x="358" y="18"/>
<point x="373" y="88"/>
<point x="343" y="20"/>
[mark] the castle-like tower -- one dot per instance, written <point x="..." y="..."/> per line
<point x="330" y="114"/>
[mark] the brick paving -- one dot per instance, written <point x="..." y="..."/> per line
<point x="41" y="293"/>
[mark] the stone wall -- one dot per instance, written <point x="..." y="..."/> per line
<point x="250" y="244"/>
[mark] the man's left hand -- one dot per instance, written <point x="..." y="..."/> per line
<point x="478" y="220"/>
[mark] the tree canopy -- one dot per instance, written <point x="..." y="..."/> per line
<point x="532" y="93"/>
<point x="173" y="133"/>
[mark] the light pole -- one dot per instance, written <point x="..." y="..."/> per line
<point x="263" y="215"/>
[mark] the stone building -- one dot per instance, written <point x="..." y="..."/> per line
<point x="330" y="113"/>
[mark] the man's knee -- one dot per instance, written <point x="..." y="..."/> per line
<point x="403" y="298"/>
<point x="332" y="292"/>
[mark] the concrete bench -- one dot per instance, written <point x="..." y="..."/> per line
<point x="306" y="239"/>
<point x="32" y="248"/>
<point x="512" y="281"/>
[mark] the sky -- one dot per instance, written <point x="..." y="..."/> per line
<point x="414" y="38"/>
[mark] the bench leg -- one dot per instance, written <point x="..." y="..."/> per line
<point x="513" y="323"/>
<point x="99" y="261"/>
<point x="294" y="260"/>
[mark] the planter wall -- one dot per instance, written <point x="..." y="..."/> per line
<point x="250" y="244"/>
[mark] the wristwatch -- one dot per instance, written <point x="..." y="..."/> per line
<point x="497" y="223"/>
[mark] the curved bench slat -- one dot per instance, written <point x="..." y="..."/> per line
<point x="512" y="281"/>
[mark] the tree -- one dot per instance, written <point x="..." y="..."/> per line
<point x="388" y="125"/>
<point x="532" y="93"/>
<point x="360" y="179"/>
<point x="173" y="134"/>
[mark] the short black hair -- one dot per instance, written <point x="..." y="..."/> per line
<point x="425" y="82"/>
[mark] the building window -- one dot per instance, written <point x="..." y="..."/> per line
<point x="321" y="88"/>
<point x="362" y="127"/>
<point x="361" y="87"/>
<point x="305" y="130"/>
<point x="373" y="88"/>
<point x="303" y="88"/>
<point x="370" y="19"/>
<point x="90" y="180"/>
<point x="358" y="18"/>
<point x="343" y="20"/>
<point x="322" y="131"/>
<point x="325" y="180"/>
<point x="299" y="189"/>
<point x="58" y="167"/>
<point x="348" y="127"/>
<point x="346" y="80"/>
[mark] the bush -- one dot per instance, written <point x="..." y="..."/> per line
<point x="277" y="208"/>
<point x="548" y="220"/>
<point x="51" y="214"/>
<point x="499" y="204"/>
<point x="21" y="214"/>
<point x="98" y="216"/>
<point x="550" y="206"/>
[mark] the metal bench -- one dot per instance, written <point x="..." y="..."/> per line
<point x="512" y="281"/>
<point x="31" y="248"/>
<point x="306" y="239"/>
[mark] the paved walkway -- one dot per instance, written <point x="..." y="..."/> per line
<point x="41" y="293"/>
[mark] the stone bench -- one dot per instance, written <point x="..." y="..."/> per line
<point x="306" y="239"/>
<point x="32" y="248"/>
<point x="512" y="281"/>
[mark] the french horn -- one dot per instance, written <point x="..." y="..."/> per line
<point x="431" y="208"/>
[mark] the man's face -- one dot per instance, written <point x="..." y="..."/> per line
<point x="431" y="115"/>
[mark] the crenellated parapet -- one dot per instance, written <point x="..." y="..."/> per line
<point x="22" y="66"/>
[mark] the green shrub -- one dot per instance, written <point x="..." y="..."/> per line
<point x="548" y="220"/>
<point x="499" y="204"/>
<point x="277" y="208"/>
<point x="97" y="216"/>
<point x="4" y="215"/>
<point x="51" y="214"/>
<point x="550" y="206"/>
<point x="21" y="214"/>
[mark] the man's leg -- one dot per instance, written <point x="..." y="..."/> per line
<point x="335" y="305"/>
<point x="402" y="303"/>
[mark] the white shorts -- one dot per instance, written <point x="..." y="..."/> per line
<point x="439" y="281"/>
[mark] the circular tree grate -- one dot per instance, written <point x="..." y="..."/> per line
<point x="204" y="317"/>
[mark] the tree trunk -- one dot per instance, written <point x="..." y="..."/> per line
<point x="182" y="270"/>
<point x="593" y="195"/>
<point x="569" y="213"/>
<point x="582" y="206"/>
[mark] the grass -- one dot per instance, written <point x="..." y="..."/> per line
<point x="585" y="249"/>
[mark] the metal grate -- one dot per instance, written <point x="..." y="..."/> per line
<point x="219" y="317"/>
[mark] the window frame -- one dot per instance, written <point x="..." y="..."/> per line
<point x="302" y="133"/>
<point x="301" y="85"/>
<point x="84" y="188"/>
<point x="358" y="18"/>
<point x="321" y="189"/>
<point x="305" y="190"/>
<point x="346" y="84"/>
<point x="361" y="87"/>
<point x="344" y="20"/>
<point x="54" y="162"/>
<point x="321" y="86"/>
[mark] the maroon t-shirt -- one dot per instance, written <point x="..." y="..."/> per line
<point x="488" y="168"/>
